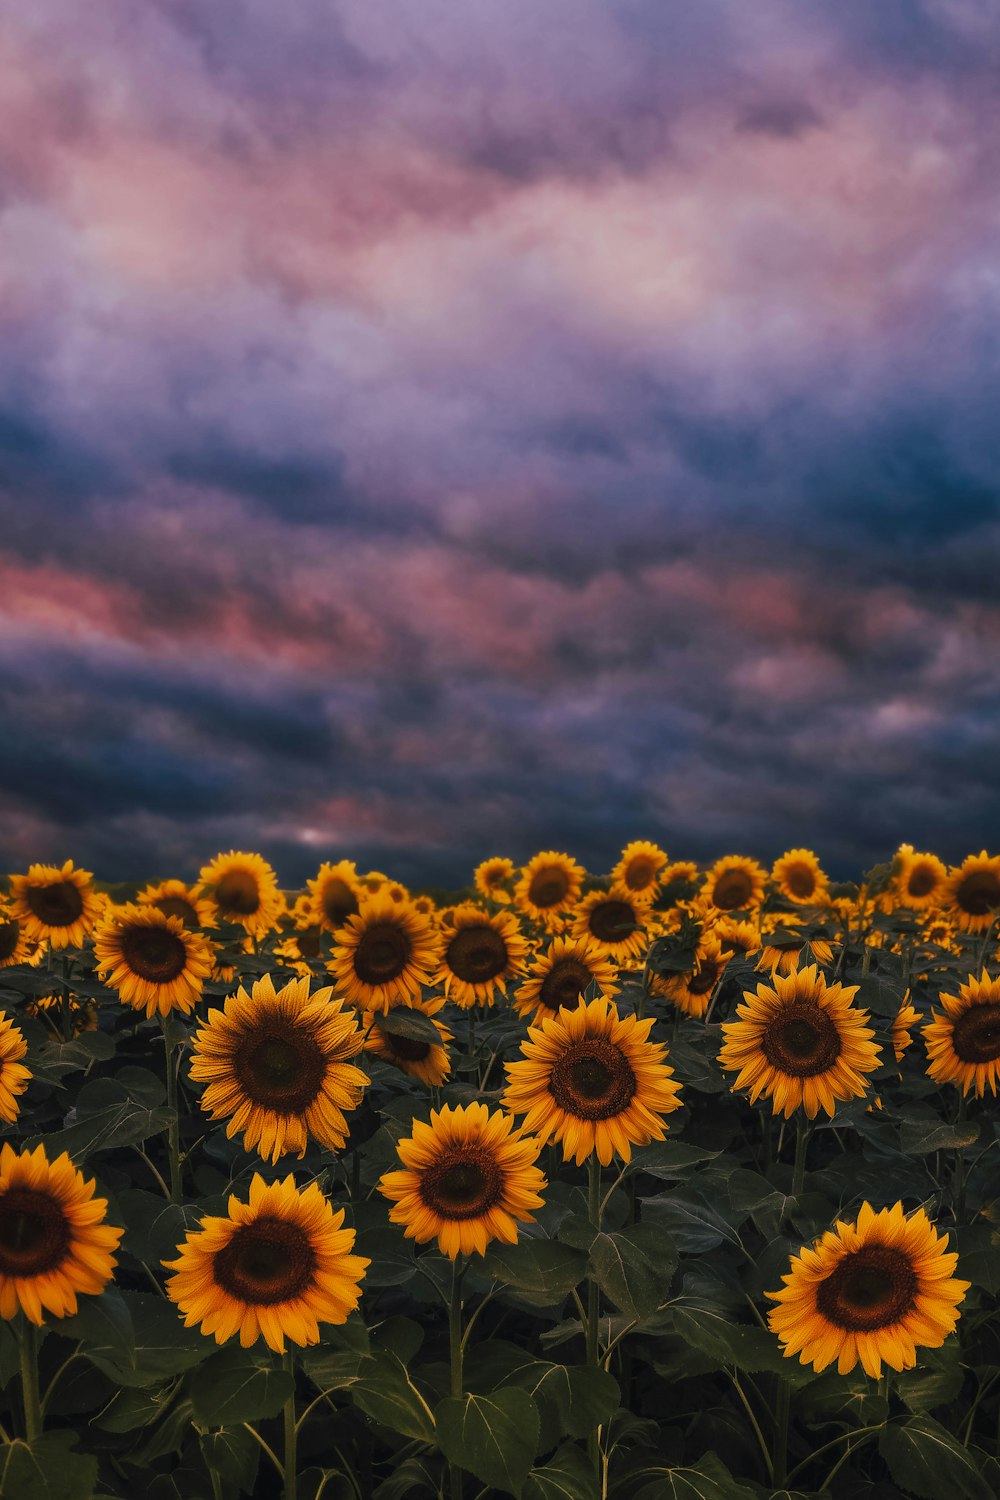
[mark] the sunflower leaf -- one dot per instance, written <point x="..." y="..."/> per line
<point x="494" y="1437"/>
<point x="47" y="1469"/>
<point x="919" y="1137"/>
<point x="568" y="1475"/>
<point x="407" y="1022"/>
<point x="385" y="1392"/>
<point x="541" y="1271"/>
<point x="238" y="1385"/>
<point x="924" y="1458"/>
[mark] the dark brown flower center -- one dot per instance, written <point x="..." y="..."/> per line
<point x="703" y="979"/>
<point x="56" y="905"/>
<point x="922" y="880"/>
<point x="238" y="892"/>
<point x="34" y="1233"/>
<point x="733" y="890"/>
<point x="339" y="901"/>
<point x="979" y="893"/>
<point x="10" y="936"/>
<point x="640" y="873"/>
<point x="549" y="886"/>
<point x="612" y="921"/>
<point x="307" y="940"/>
<point x="463" y="1182"/>
<point x="801" y="1040"/>
<point x="382" y="953"/>
<point x="871" y="1288"/>
<point x="564" y="983"/>
<point x="975" y="1035"/>
<point x="154" y="953"/>
<point x="279" y="1066"/>
<point x="477" y="954"/>
<point x="267" y="1261"/>
<point x="176" y="906"/>
<point x="800" y="880"/>
<point x="593" y="1080"/>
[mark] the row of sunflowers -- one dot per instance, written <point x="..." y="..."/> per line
<point x="671" y="1181"/>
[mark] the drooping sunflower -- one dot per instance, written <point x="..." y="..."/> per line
<point x="784" y="941"/>
<point x="800" y="1043"/>
<point x="55" y="905"/>
<point x="479" y="955"/>
<point x="639" y="869"/>
<point x="691" y="992"/>
<point x="919" y="879"/>
<point x="875" y="1291"/>
<point x="963" y="1045"/>
<point x="428" y="1061"/>
<point x="54" y="1243"/>
<point x="335" y="893"/>
<point x="468" y="1178"/>
<point x="14" y="1078"/>
<point x="274" y="1268"/>
<point x="243" y="889"/>
<point x="561" y="976"/>
<point x="494" y="877"/>
<point x="277" y="1069"/>
<point x="614" y="920"/>
<point x="906" y="1016"/>
<point x="799" y="878"/>
<point x="971" y="894"/>
<point x="152" y="960"/>
<point x="735" y="883"/>
<point x="15" y="945"/>
<point x="177" y="899"/>
<point x="550" y="884"/>
<point x="384" y="954"/>
<point x="593" y="1080"/>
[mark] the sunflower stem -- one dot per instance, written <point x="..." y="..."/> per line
<point x="455" y="1349"/>
<point x="595" y="1206"/>
<point x="471" y="1031"/>
<point x="783" y="1408"/>
<point x="291" y="1434"/>
<point x="801" y="1147"/>
<point x="174" y="1128"/>
<point x="28" y="1358"/>
<point x="958" y="1178"/>
<point x="67" y="1011"/>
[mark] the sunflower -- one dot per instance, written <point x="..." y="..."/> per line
<point x="424" y="905"/>
<point x="493" y="878"/>
<point x="304" y="938"/>
<point x="549" y="885"/>
<point x="800" y="1043"/>
<point x="276" y="1067"/>
<point x="919" y="879"/>
<point x="384" y="954"/>
<point x="971" y="894"/>
<point x="373" y="881"/>
<point x="941" y="933"/>
<point x="49" y="1009"/>
<point x="480" y="954"/>
<point x="55" y="906"/>
<point x="275" y="1267"/>
<point x="963" y="1045"/>
<point x="784" y="941"/>
<point x="734" y="883"/>
<point x="678" y="882"/>
<point x="561" y="976"/>
<point x="14" y="1078"/>
<point x="153" y="962"/>
<point x="176" y="899"/>
<point x="691" y="992"/>
<point x="739" y="936"/>
<point x="15" y="945"/>
<point x="244" y="891"/>
<point x="428" y="1061"/>
<point x="799" y="878"/>
<point x="875" y="1291"/>
<point x="334" y="894"/>
<point x="639" y="869"/>
<point x="468" y="1178"/>
<point x="54" y="1242"/>
<point x="905" y="1017"/>
<point x="593" y="1080"/>
<point x="614" y="921"/>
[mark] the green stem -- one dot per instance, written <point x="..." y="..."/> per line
<point x="291" y="1433"/>
<point x="174" y="1128"/>
<point x="594" y="1205"/>
<point x="783" y="1409"/>
<point x="801" y="1146"/>
<point x="959" y="1176"/>
<point x="27" y="1342"/>
<point x="455" y="1350"/>
<point x="471" y="1031"/>
<point x="67" y="1009"/>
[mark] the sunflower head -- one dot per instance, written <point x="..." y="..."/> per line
<point x="55" y="905"/>
<point x="176" y="899"/>
<point x="971" y="894"/>
<point x="479" y="954"/>
<point x="384" y="954"/>
<point x="14" y="1078"/>
<point x="243" y="890"/>
<point x="15" y="945"/>
<point x="549" y="885"/>
<point x="426" y="1060"/>
<point x="799" y="878"/>
<point x="905" y="1017"/>
<point x="615" y="921"/>
<point x="640" y="869"/>
<point x="919" y="879"/>
<point x="784" y="941"/>
<point x="735" y="884"/>
<point x="152" y="960"/>
<point x="494" y="879"/>
<point x="561" y="976"/>
<point x="963" y="1044"/>
<point x="692" y="992"/>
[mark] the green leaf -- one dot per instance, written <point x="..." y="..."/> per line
<point x="695" y="1070"/>
<point x="979" y="1256"/>
<point x="669" y="1160"/>
<point x="47" y="1469"/>
<point x="572" y="1399"/>
<point x="135" y="1338"/>
<point x="69" y="1057"/>
<point x="130" y="1409"/>
<point x="335" y="1361"/>
<point x="710" y="1328"/>
<point x="634" y="1266"/>
<point x="385" y="1392"/>
<point x="568" y="1475"/>
<point x="918" y="1137"/>
<point x="708" y="1479"/>
<point x="391" y="1256"/>
<point x="105" y="1116"/>
<point x="412" y="1477"/>
<point x="494" y="1437"/>
<point x="237" y="1385"/>
<point x="233" y="1454"/>
<point x="923" y="1457"/>
<point x="406" y="1022"/>
<point x="749" y="1191"/>
<point x="543" y="1272"/>
<point x="694" y="1224"/>
<point x="937" y="1380"/>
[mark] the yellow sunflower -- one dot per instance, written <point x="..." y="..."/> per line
<point x="971" y="894"/>
<point x="549" y="885"/>
<point x="593" y="1080"/>
<point x="479" y="955"/>
<point x="677" y="881"/>
<point x="15" y="945"/>
<point x="692" y="992"/>
<point x="334" y="894"/>
<point x="55" y="906"/>
<point x="963" y="1045"/>
<point x="468" y="1178"/>
<point x="303" y="942"/>
<point x="801" y="1044"/>
<point x="905" y="1017"/>
<point x="784" y="942"/>
<point x="615" y="921"/>
<point x="739" y="936"/>
<point x="49" y="1009"/>
<point x="428" y="1061"/>
<point x="494" y="877"/>
<point x="799" y="878"/>
<point x="14" y="1078"/>
<point x="243" y="889"/>
<point x="875" y="1291"/>
<point x="424" y="905"/>
<point x="735" y="884"/>
<point x="640" y="869"/>
<point x="561" y="976"/>
<point x="153" y="962"/>
<point x="276" y="1067"/>
<point x="384" y="954"/>
<point x="919" y="879"/>
<point x="373" y="881"/>
<point x="177" y="899"/>
<point x="54" y="1242"/>
<point x="275" y="1267"/>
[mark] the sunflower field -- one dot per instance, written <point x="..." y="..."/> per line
<point x="668" y="1182"/>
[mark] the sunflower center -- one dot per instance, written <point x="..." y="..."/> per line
<point x="382" y="954"/>
<point x="154" y="953"/>
<point x="733" y="890"/>
<point x="921" y="881"/>
<point x="979" y="893"/>
<point x="238" y="892"/>
<point x="10" y="936"/>
<point x="871" y="1288"/>
<point x="477" y="954"/>
<point x="612" y="921"/>
<point x="307" y="941"/>
<point x="279" y="1067"/>
<point x="339" y="901"/>
<point x="267" y="1261"/>
<point x="462" y="1183"/>
<point x="548" y="887"/>
<point x="801" y="1040"/>
<point x="406" y="1048"/>
<point x="34" y="1233"/>
<point x="801" y="880"/>
<point x="564" y="983"/>
<point x="703" y="979"/>
<point x="593" y="1080"/>
<point x="975" y="1036"/>
<point x="176" y="906"/>
<point x="57" y="905"/>
<point x="640" y="874"/>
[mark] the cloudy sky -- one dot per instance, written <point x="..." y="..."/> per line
<point x="435" y="429"/>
